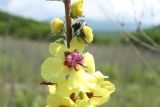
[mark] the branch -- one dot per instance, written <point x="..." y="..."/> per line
<point x="68" y="22"/>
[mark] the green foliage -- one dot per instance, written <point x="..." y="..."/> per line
<point x="135" y="88"/>
<point x="23" y="28"/>
<point x="149" y="35"/>
<point x="106" y="37"/>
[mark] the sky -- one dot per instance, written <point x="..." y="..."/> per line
<point x="127" y="11"/>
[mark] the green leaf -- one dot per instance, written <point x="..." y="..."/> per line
<point x="54" y="37"/>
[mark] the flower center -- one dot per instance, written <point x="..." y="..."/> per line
<point x="72" y="59"/>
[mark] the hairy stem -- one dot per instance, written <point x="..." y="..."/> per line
<point x="68" y="21"/>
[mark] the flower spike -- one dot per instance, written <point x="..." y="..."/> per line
<point x="69" y="72"/>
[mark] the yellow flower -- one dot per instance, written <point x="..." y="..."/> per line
<point x="82" y="80"/>
<point x="55" y="100"/>
<point x="56" y="25"/>
<point x="77" y="82"/>
<point x="66" y="61"/>
<point x="77" y="8"/>
<point x="64" y="89"/>
<point x="82" y="89"/>
<point x="101" y="93"/>
<point x="88" y="35"/>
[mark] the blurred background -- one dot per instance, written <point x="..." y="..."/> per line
<point x="126" y="48"/>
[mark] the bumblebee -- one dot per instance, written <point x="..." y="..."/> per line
<point x="77" y="25"/>
<point x="81" y="29"/>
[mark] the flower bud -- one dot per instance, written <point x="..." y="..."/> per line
<point x="57" y="25"/>
<point x="88" y="35"/>
<point x="77" y="8"/>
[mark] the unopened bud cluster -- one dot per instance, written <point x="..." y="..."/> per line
<point x="75" y="81"/>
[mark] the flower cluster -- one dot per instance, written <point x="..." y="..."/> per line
<point x="74" y="82"/>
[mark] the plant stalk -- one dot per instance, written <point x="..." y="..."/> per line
<point x="68" y="22"/>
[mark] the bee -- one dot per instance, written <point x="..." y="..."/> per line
<point x="81" y="29"/>
<point x="77" y="25"/>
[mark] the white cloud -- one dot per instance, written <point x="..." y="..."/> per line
<point x="36" y="9"/>
<point x="110" y="10"/>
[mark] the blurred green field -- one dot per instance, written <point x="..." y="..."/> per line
<point x="20" y="61"/>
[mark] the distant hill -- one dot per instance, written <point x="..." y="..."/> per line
<point x="19" y="27"/>
<point x="110" y="26"/>
<point x="16" y="26"/>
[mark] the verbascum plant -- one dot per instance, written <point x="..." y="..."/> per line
<point x="70" y="73"/>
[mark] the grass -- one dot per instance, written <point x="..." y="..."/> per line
<point x="20" y="61"/>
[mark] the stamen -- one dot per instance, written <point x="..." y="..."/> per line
<point x="82" y="65"/>
<point x="73" y="97"/>
<point x="72" y="59"/>
<point x="97" y="96"/>
<point x="75" y="68"/>
<point x="81" y="58"/>
<point x="89" y="94"/>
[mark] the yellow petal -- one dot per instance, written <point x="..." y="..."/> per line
<point x="100" y="77"/>
<point x="88" y="34"/>
<point x="63" y="89"/>
<point x="77" y="44"/>
<point x="55" y="100"/>
<point x="57" y="25"/>
<point x="52" y="89"/>
<point x="77" y="8"/>
<point x="85" y="103"/>
<point x="57" y="49"/>
<point x="89" y="62"/>
<point x="103" y="90"/>
<point x="53" y="69"/>
<point x="82" y="80"/>
<point x="102" y="96"/>
<point x="108" y="86"/>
